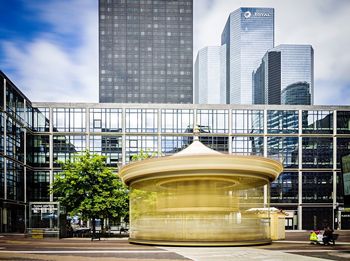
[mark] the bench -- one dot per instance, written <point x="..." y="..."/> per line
<point x="334" y="238"/>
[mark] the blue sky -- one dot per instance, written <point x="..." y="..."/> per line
<point x="49" y="48"/>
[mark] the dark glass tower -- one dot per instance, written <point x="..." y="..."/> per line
<point x="267" y="80"/>
<point x="145" y="51"/>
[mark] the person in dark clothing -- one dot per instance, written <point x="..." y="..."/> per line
<point x="327" y="235"/>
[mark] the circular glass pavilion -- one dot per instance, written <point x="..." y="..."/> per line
<point x="201" y="197"/>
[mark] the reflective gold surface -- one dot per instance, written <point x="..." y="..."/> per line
<point x="199" y="199"/>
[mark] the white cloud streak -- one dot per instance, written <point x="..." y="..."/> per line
<point x="46" y="69"/>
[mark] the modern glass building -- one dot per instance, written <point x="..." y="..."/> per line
<point x="210" y="75"/>
<point x="248" y="34"/>
<point x="283" y="66"/>
<point x="308" y="140"/>
<point x="267" y="80"/>
<point x="145" y="51"/>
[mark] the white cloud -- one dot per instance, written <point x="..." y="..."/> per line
<point x="323" y="24"/>
<point x="46" y="69"/>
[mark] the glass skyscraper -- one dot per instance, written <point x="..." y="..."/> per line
<point x="297" y="65"/>
<point x="282" y="69"/>
<point x="267" y="80"/>
<point x="145" y="51"/>
<point x="248" y="34"/>
<point x="210" y="75"/>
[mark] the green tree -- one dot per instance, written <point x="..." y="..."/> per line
<point x="90" y="189"/>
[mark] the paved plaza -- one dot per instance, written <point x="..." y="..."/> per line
<point x="295" y="247"/>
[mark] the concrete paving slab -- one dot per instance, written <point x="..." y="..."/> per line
<point x="236" y="254"/>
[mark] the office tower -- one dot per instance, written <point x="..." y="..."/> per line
<point x="267" y="80"/>
<point x="286" y="66"/>
<point x="145" y="51"/>
<point x="297" y="65"/>
<point x="248" y="34"/>
<point x="296" y="94"/>
<point x="210" y="75"/>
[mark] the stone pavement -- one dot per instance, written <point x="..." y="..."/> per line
<point x="236" y="254"/>
<point x="295" y="247"/>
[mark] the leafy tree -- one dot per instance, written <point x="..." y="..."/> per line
<point x="87" y="187"/>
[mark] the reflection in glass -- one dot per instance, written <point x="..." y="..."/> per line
<point x="109" y="146"/>
<point x="317" y="187"/>
<point x="284" y="149"/>
<point x="105" y="120"/>
<point x="282" y="122"/>
<point x="66" y="146"/>
<point x="176" y="121"/>
<point x="141" y="120"/>
<point x="248" y="121"/>
<point x="134" y="144"/>
<point x="248" y="146"/>
<point x="343" y="122"/>
<point x="69" y="119"/>
<point x="285" y="188"/>
<point x="317" y="152"/>
<point x="214" y="120"/>
<point x="317" y="122"/>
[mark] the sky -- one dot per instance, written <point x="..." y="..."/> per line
<point x="49" y="48"/>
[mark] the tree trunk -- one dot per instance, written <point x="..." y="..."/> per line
<point x="93" y="229"/>
<point x="102" y="225"/>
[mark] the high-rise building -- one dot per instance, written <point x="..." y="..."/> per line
<point x="210" y="75"/>
<point x="145" y="51"/>
<point x="297" y="65"/>
<point x="248" y="34"/>
<point x="267" y="80"/>
<point x="285" y="66"/>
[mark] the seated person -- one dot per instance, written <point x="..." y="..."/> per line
<point x="327" y="235"/>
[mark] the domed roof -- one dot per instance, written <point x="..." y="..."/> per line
<point x="197" y="160"/>
<point x="196" y="148"/>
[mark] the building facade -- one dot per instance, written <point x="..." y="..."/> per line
<point x="283" y="66"/>
<point x="210" y="75"/>
<point x="309" y="140"/>
<point x="145" y="51"/>
<point x="297" y="65"/>
<point x="267" y="80"/>
<point x="248" y="34"/>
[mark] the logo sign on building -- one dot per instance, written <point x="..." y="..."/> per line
<point x="346" y="180"/>
<point x="248" y="14"/>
